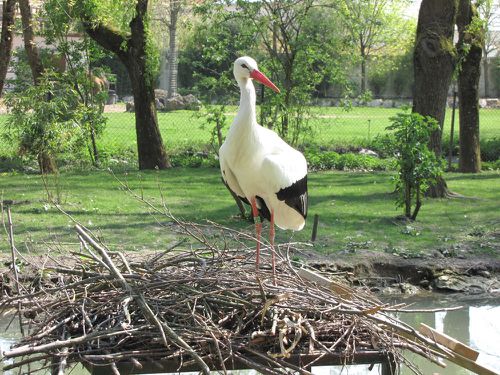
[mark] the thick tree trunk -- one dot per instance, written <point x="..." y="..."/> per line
<point x="150" y="148"/>
<point x="468" y="89"/>
<point x="29" y="40"/>
<point x="132" y="52"/>
<point x="433" y="68"/>
<point x="8" y="18"/>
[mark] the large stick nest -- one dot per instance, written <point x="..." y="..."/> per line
<point x="206" y="306"/>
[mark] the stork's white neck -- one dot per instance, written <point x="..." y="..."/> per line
<point x="246" y="116"/>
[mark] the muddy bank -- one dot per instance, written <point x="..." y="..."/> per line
<point x="378" y="272"/>
<point x="389" y="274"/>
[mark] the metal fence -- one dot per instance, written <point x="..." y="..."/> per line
<point x="325" y="127"/>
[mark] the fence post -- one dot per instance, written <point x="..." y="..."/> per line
<point x="261" y="104"/>
<point x="315" y="228"/>
<point x="450" y="152"/>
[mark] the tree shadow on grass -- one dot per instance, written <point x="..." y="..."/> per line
<point x="351" y="198"/>
<point x="468" y="176"/>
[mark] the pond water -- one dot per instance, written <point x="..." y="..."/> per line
<point x="477" y="324"/>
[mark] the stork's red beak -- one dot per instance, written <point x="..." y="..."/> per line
<point x="255" y="74"/>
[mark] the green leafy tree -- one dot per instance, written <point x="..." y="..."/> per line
<point x="44" y="119"/>
<point x="417" y="165"/>
<point x="301" y="48"/>
<point x="6" y="39"/>
<point x="216" y="38"/>
<point x="489" y="12"/>
<point x="76" y="58"/>
<point x="372" y="26"/>
<point x="391" y="64"/>
<point x="170" y="14"/>
<point x="125" y="31"/>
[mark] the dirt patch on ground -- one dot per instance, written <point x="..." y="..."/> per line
<point x="390" y="274"/>
<point x="113" y="108"/>
<point x="385" y="273"/>
<point x="110" y="108"/>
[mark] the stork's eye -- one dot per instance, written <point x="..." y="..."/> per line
<point x="244" y="66"/>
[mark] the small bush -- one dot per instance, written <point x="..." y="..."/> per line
<point x="194" y="160"/>
<point x="384" y="145"/>
<point x="490" y="149"/>
<point x="417" y="165"/>
<point x="331" y="160"/>
<point x="491" y="165"/>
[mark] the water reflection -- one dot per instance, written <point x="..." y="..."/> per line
<point x="476" y="325"/>
<point x="9" y="334"/>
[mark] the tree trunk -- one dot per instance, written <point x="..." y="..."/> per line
<point x="132" y="52"/>
<point x="173" y="48"/>
<point x="29" y="40"/>
<point x="468" y="89"/>
<point x="362" y="53"/>
<point x="486" y="75"/>
<point x="407" y="196"/>
<point x="8" y="18"/>
<point x="46" y="161"/>
<point x="150" y="148"/>
<point x="363" y="72"/>
<point x="287" y="100"/>
<point x="433" y="68"/>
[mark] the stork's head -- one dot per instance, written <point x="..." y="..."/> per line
<point x="245" y="68"/>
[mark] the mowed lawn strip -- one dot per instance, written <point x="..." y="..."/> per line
<point x="356" y="210"/>
<point x="328" y="127"/>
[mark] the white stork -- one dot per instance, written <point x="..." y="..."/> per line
<point x="261" y="168"/>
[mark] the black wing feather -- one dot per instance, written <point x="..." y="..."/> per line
<point x="295" y="196"/>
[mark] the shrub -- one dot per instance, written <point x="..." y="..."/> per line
<point x="417" y="166"/>
<point x="43" y="120"/>
<point x="329" y="160"/>
<point x="490" y="149"/>
<point x="194" y="160"/>
<point x="491" y="165"/>
<point x="384" y="145"/>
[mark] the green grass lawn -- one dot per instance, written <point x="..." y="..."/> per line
<point x="356" y="210"/>
<point x="330" y="126"/>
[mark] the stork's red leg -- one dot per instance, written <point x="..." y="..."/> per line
<point x="273" y="254"/>
<point x="258" y="229"/>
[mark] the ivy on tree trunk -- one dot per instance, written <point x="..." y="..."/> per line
<point x="469" y="46"/>
<point x="132" y="51"/>
<point x="29" y="40"/>
<point x="8" y="18"/>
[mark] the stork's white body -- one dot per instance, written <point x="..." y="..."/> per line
<point x="256" y="162"/>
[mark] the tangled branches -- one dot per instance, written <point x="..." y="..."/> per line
<point x="201" y="308"/>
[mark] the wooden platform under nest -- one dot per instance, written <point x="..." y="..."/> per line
<point x="201" y="309"/>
